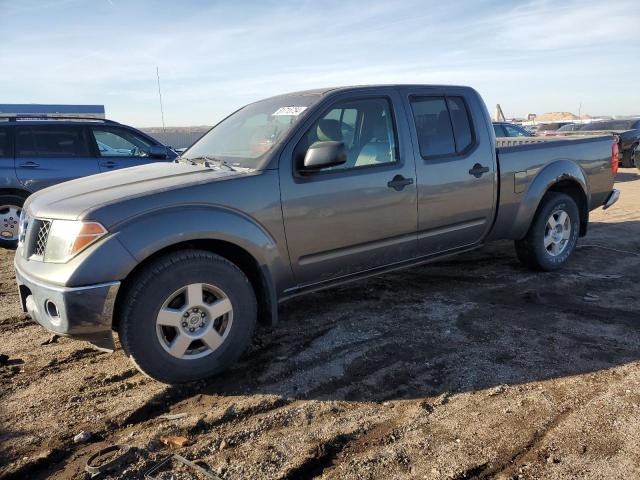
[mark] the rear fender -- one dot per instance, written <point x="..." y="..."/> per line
<point x="543" y="181"/>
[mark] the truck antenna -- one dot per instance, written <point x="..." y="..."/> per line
<point x="160" y="96"/>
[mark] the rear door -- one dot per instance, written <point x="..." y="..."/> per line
<point x="359" y="215"/>
<point x="455" y="164"/>
<point x="48" y="154"/>
<point x="120" y="148"/>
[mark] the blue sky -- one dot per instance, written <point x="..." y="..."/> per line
<point x="529" y="56"/>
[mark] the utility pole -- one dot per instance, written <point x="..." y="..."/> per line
<point x="580" y="113"/>
<point x="160" y="96"/>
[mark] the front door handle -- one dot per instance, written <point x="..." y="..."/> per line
<point x="108" y="164"/>
<point x="30" y="165"/>
<point x="399" y="182"/>
<point x="478" y="170"/>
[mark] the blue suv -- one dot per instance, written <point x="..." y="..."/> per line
<point x="36" y="153"/>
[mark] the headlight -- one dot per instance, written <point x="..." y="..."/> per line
<point x="67" y="238"/>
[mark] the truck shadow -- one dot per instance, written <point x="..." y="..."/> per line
<point x="471" y="323"/>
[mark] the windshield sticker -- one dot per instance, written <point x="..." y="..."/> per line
<point x="289" y="111"/>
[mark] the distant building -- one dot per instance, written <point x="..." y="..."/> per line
<point x="33" y="109"/>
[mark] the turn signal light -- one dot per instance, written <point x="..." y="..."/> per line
<point x="89" y="233"/>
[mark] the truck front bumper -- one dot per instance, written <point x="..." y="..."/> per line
<point x="82" y="312"/>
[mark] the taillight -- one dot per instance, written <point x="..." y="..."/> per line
<point x="615" y="157"/>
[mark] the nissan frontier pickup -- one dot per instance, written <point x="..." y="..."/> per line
<point x="286" y="196"/>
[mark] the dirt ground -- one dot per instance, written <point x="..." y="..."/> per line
<point x="469" y="368"/>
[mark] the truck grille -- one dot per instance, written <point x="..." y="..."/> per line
<point x="41" y="229"/>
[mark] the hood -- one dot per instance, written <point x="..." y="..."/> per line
<point x="75" y="199"/>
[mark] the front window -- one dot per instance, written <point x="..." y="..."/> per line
<point x="115" y="142"/>
<point x="246" y="137"/>
<point x="366" y="128"/>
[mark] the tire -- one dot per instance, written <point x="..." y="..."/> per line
<point x="10" y="208"/>
<point x="627" y="160"/>
<point x="544" y="248"/>
<point x="161" y="285"/>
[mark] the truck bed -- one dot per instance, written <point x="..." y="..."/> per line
<point x="520" y="162"/>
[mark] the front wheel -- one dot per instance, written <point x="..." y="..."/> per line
<point x="553" y="234"/>
<point x="187" y="316"/>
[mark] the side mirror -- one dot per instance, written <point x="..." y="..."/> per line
<point x="323" y="155"/>
<point x="158" y="151"/>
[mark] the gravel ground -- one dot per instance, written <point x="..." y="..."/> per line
<point x="469" y="368"/>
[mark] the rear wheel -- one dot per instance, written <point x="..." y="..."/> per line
<point x="553" y="234"/>
<point x="10" y="209"/>
<point x="187" y="316"/>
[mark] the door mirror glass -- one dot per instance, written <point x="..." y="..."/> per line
<point x="158" y="151"/>
<point x="323" y="155"/>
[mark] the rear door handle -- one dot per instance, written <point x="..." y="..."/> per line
<point x="30" y="165"/>
<point x="108" y="164"/>
<point x="399" y="182"/>
<point x="478" y="170"/>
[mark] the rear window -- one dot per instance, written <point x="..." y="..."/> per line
<point x="443" y="125"/>
<point x="5" y="147"/>
<point x="51" y="141"/>
<point x="433" y="126"/>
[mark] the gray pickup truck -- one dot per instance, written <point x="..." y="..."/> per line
<point x="286" y="196"/>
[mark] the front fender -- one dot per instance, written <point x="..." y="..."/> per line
<point x="149" y="233"/>
<point x="543" y="180"/>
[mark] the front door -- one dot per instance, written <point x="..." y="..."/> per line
<point x="356" y="216"/>
<point x="455" y="164"/>
<point x="48" y="154"/>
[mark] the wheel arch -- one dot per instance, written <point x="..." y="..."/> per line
<point x="258" y="276"/>
<point x="15" y="191"/>
<point x="228" y="233"/>
<point x="563" y="176"/>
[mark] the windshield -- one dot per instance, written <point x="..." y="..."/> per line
<point x="244" y="138"/>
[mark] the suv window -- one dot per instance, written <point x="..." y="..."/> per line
<point x="5" y="146"/>
<point x="366" y="127"/>
<point x="51" y="141"/>
<point x="117" y="142"/>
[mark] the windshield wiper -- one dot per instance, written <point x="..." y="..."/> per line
<point x="217" y="162"/>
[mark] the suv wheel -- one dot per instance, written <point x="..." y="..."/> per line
<point x="553" y="234"/>
<point x="187" y="316"/>
<point x="10" y="209"/>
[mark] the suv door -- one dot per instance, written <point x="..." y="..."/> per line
<point x="121" y="148"/>
<point x="49" y="153"/>
<point x="455" y="164"/>
<point x="359" y="215"/>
